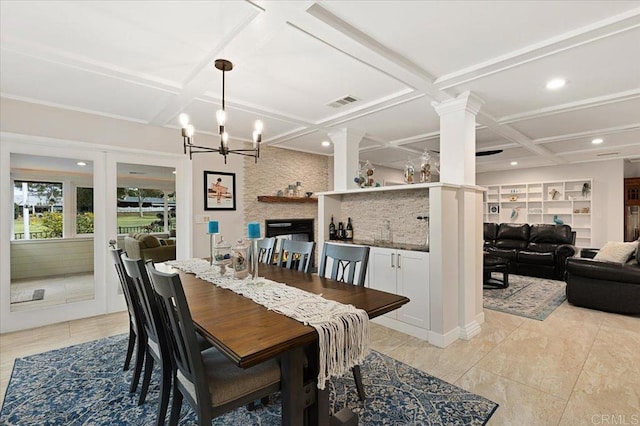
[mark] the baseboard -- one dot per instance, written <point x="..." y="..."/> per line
<point x="480" y="318"/>
<point x="444" y="340"/>
<point x="470" y="330"/>
<point x="402" y="327"/>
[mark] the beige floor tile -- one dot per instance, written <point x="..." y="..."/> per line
<point x="615" y="354"/>
<point x="546" y="362"/>
<point x="565" y="325"/>
<point x="567" y="310"/>
<point x="519" y="404"/>
<point x="383" y="339"/>
<point x="625" y="322"/>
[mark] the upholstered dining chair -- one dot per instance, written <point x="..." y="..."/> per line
<point x="298" y="255"/>
<point x="157" y="345"/>
<point x="265" y="250"/>
<point x="211" y="384"/>
<point x="136" y="330"/>
<point x="346" y="259"/>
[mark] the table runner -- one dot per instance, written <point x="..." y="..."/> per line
<point x="343" y="330"/>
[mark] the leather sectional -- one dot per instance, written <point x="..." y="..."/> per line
<point x="533" y="250"/>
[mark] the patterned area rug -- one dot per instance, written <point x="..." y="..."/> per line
<point x="85" y="385"/>
<point x="527" y="297"/>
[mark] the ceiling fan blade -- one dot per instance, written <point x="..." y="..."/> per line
<point x="479" y="154"/>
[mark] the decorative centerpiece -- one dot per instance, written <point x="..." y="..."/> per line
<point x="240" y="260"/>
<point x="365" y="176"/>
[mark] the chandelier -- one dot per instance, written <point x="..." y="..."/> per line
<point x="221" y="116"/>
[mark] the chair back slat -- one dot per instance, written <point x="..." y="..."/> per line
<point x="265" y="250"/>
<point x="133" y="304"/>
<point x="153" y="322"/>
<point x="299" y="254"/>
<point x="345" y="262"/>
<point x="182" y="336"/>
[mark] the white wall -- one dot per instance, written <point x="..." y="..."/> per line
<point x="606" y="193"/>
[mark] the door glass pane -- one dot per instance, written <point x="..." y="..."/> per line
<point x="51" y="262"/>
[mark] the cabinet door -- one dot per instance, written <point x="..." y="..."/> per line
<point x="382" y="272"/>
<point x="412" y="272"/>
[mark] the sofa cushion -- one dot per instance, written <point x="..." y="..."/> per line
<point x="616" y="252"/>
<point x="554" y="234"/>
<point x="513" y="231"/>
<point x="536" y="258"/>
<point x="148" y="241"/>
<point x="542" y="247"/>
<point x="503" y="253"/>
<point x="605" y="271"/>
<point x="511" y="244"/>
<point x="490" y="231"/>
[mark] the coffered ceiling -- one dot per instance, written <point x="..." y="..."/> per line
<point x="148" y="61"/>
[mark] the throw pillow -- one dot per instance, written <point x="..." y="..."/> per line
<point x="616" y="252"/>
<point x="149" y="241"/>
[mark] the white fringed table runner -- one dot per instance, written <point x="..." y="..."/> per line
<point x="343" y="330"/>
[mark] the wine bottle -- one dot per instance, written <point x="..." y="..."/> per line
<point x="332" y="230"/>
<point x="349" y="231"/>
<point x="340" y="231"/>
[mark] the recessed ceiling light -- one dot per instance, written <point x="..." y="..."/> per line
<point x="514" y="163"/>
<point x="326" y="143"/>
<point x="81" y="163"/>
<point x="556" y="83"/>
<point x="597" y="141"/>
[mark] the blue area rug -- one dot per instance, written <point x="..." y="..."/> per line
<point x="527" y="297"/>
<point x="85" y="385"/>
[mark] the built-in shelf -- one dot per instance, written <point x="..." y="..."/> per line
<point x="542" y="202"/>
<point x="275" y="199"/>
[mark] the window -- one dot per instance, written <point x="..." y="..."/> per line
<point x="143" y="210"/>
<point x="84" y="210"/>
<point x="38" y="210"/>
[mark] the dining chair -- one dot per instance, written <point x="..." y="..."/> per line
<point x="136" y="330"/>
<point x="298" y="255"/>
<point x="346" y="260"/>
<point x="156" y="344"/>
<point x="211" y="384"/>
<point x="265" y="250"/>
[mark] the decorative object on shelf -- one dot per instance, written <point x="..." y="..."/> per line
<point x="219" y="191"/>
<point x="308" y="194"/>
<point x="290" y="191"/>
<point x="586" y="189"/>
<point x="514" y="213"/>
<point x="585" y="210"/>
<point x="576" y="211"/>
<point x="298" y="191"/>
<point x="365" y="176"/>
<point x="494" y="209"/>
<point x="425" y="167"/>
<point x="554" y="193"/>
<point x="557" y="220"/>
<point x="513" y="198"/>
<point x="409" y="172"/>
<point x="221" y="116"/>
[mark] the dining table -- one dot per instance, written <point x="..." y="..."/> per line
<point x="248" y="334"/>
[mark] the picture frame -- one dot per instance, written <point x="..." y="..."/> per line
<point x="494" y="209"/>
<point x="219" y="190"/>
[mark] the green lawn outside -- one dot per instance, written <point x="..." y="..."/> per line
<point x="124" y="220"/>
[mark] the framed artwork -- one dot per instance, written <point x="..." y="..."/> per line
<point x="494" y="208"/>
<point x="219" y="191"/>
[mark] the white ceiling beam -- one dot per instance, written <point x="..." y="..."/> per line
<point x="588" y="134"/>
<point x="608" y="27"/>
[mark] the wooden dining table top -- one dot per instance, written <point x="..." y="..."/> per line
<point x="248" y="333"/>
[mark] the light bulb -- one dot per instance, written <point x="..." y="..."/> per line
<point x="259" y="126"/>
<point x="221" y="116"/>
<point x="225" y="138"/>
<point x="256" y="137"/>
<point x="190" y="130"/>
<point x="184" y="120"/>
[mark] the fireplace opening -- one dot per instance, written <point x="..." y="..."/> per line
<point x="292" y="229"/>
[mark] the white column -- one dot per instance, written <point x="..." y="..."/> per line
<point x="346" y="144"/>
<point x="458" y="138"/>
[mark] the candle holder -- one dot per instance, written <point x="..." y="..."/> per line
<point x="212" y="246"/>
<point x="254" y="258"/>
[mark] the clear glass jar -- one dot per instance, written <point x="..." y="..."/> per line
<point x="240" y="259"/>
<point x="409" y="172"/>
<point x="425" y="167"/>
<point x="222" y="252"/>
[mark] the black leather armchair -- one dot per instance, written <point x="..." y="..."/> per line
<point x="534" y="250"/>
<point x="606" y="286"/>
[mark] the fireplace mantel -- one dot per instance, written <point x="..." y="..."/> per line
<point x="274" y="199"/>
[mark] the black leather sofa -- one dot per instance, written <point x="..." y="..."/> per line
<point x="606" y="286"/>
<point x="534" y="250"/>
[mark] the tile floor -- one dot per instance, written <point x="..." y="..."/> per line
<point x="57" y="290"/>
<point x="578" y="367"/>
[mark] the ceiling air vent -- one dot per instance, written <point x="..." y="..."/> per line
<point x="342" y="101"/>
<point x="607" y="154"/>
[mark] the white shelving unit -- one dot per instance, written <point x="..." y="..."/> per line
<point x="542" y="202"/>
